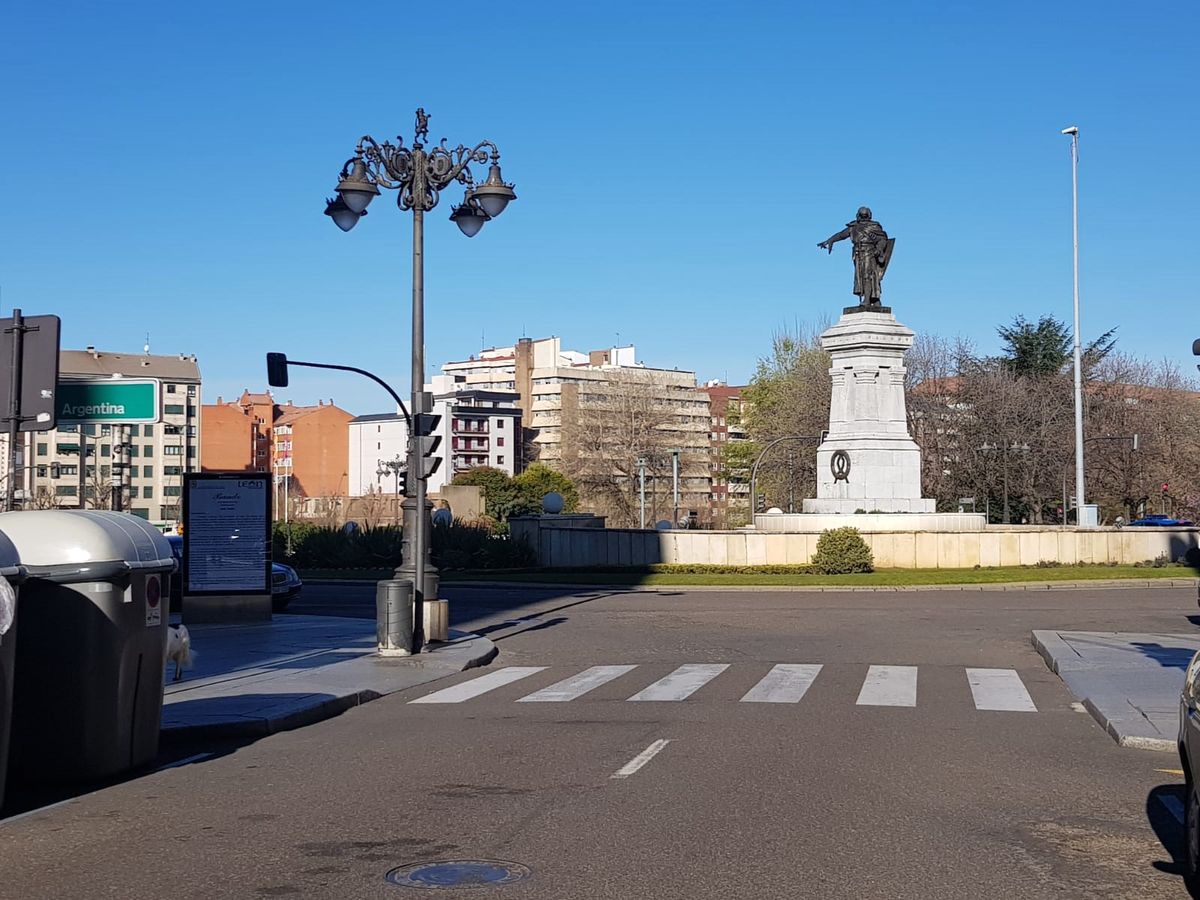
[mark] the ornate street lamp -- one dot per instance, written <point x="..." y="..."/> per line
<point x="418" y="174"/>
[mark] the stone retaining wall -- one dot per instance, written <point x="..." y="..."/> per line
<point x="1011" y="546"/>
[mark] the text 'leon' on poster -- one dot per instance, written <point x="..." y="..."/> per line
<point x="226" y="534"/>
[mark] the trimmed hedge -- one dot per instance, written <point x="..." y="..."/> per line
<point x="458" y="545"/>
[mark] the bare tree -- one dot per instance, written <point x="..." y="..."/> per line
<point x="45" y="498"/>
<point x="612" y="428"/>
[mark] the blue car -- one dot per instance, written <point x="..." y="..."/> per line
<point x="1159" y="521"/>
<point x="285" y="583"/>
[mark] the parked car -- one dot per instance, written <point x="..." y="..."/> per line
<point x="1158" y="521"/>
<point x="1189" y="756"/>
<point x="285" y="583"/>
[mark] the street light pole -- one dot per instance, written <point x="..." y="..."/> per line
<point x="419" y="175"/>
<point x="1073" y="131"/>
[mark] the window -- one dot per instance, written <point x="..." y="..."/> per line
<point x="133" y="431"/>
<point x="191" y="391"/>
<point x="379" y="446"/>
<point x="133" y="449"/>
<point x="172" y="470"/>
<point x="171" y="429"/>
<point x="68" y="429"/>
<point x="68" y="470"/>
<point x="105" y="430"/>
<point x="90" y="471"/>
<point x="191" y="452"/>
<point x="148" y="430"/>
<point x="106" y="450"/>
<point x="170" y="388"/>
<point x="43" y="449"/>
<point x="191" y="430"/>
<point x="173" y="409"/>
<point x="172" y="491"/>
<point x="105" y="471"/>
<point x="176" y="450"/>
<point x="147" y="471"/>
<point x="499" y="442"/>
<point x="148" y="451"/>
<point x="42" y="471"/>
<point x="499" y="461"/>
<point x="148" y="492"/>
<point x="499" y="423"/>
<point x="66" y="490"/>
<point x="66" y="448"/>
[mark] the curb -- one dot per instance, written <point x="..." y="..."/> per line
<point x="1047" y="643"/>
<point x="1105" y="584"/>
<point x="255" y="728"/>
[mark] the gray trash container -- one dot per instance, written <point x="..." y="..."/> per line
<point x="88" y="689"/>
<point x="12" y="571"/>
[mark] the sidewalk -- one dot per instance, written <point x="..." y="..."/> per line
<point x="256" y="679"/>
<point x="1129" y="682"/>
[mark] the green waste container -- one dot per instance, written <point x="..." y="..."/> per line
<point x="12" y="574"/>
<point x="88" y="686"/>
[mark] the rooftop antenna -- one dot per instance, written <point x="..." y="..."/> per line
<point x="146" y="348"/>
<point x="618" y="343"/>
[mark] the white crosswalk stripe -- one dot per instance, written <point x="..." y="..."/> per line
<point x="480" y="685"/>
<point x="785" y="683"/>
<point x="992" y="690"/>
<point x="577" y="685"/>
<point x="1000" y="690"/>
<point x="681" y="683"/>
<point x="889" y="686"/>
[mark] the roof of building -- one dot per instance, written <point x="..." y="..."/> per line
<point x="379" y="417"/>
<point x="100" y="363"/>
<point x="256" y="399"/>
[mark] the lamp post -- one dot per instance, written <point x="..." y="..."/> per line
<point x="418" y="175"/>
<point x="1073" y="131"/>
<point x="394" y="467"/>
<point x="1004" y="449"/>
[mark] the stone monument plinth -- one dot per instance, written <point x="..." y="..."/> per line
<point x="868" y="461"/>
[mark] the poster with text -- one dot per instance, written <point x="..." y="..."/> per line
<point x="227" y="534"/>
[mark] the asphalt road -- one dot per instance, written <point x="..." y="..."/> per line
<point x="828" y="795"/>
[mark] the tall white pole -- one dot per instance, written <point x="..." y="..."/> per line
<point x="1079" y="495"/>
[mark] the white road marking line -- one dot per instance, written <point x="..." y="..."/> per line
<point x="681" y="683"/>
<point x="889" y="686"/>
<point x="481" y="685"/>
<point x="577" y="685"/>
<point x="641" y="759"/>
<point x="185" y="761"/>
<point x="785" y="683"/>
<point x="1000" y="690"/>
<point x="1173" y="806"/>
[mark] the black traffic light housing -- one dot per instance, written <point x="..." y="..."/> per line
<point x="277" y="369"/>
<point x="1196" y="350"/>
<point x="55" y="470"/>
<point x="424" y="424"/>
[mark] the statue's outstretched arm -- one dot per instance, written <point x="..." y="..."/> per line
<point x="840" y="236"/>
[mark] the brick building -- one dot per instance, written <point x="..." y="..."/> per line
<point x="306" y="447"/>
<point x="729" y="498"/>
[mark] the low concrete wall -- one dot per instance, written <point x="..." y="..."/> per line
<point x="1009" y="546"/>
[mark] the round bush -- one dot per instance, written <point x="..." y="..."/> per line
<point x="841" y="551"/>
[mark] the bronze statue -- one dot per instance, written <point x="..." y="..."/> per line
<point x="422" y="131"/>
<point x="872" y="253"/>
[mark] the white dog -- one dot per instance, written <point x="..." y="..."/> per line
<point x="179" y="649"/>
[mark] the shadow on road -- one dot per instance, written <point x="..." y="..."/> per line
<point x="1164" y="810"/>
<point x="1167" y="657"/>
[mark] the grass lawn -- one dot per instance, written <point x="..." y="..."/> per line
<point x="879" y="578"/>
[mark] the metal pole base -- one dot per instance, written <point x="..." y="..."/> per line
<point x="394" y="618"/>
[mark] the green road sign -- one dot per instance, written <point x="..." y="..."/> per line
<point x="122" y="401"/>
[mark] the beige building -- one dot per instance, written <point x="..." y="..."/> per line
<point x="72" y="466"/>
<point x="602" y="418"/>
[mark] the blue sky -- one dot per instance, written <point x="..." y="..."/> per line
<point x="165" y="168"/>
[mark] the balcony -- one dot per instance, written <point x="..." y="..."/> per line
<point x="470" y="426"/>
<point x="470" y="444"/>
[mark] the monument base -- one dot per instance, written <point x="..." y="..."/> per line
<point x="814" y="523"/>
<point x="851" y="506"/>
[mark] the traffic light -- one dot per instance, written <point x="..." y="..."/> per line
<point x="402" y="482"/>
<point x="55" y="470"/>
<point x="277" y="369"/>
<point x="424" y="424"/>
<point x="1196" y="350"/>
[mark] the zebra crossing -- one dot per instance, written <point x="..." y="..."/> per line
<point x="992" y="690"/>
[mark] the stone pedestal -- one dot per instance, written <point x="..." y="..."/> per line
<point x="868" y="421"/>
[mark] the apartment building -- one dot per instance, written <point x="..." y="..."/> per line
<point x="730" y="493"/>
<point x="305" y="447"/>
<point x="595" y="415"/>
<point x="72" y="466"/>
<point x="477" y="427"/>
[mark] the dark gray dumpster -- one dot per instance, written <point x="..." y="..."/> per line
<point x="12" y="574"/>
<point x="88" y="687"/>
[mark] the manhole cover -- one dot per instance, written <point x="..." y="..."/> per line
<point x="458" y="873"/>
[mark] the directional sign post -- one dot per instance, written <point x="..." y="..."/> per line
<point x="116" y="401"/>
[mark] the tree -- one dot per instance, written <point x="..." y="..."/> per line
<point x="539" y="480"/>
<point x="501" y="496"/>
<point x="1045" y="349"/>
<point x="788" y="395"/>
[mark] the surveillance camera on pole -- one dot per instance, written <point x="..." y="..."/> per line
<point x="1074" y="129"/>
